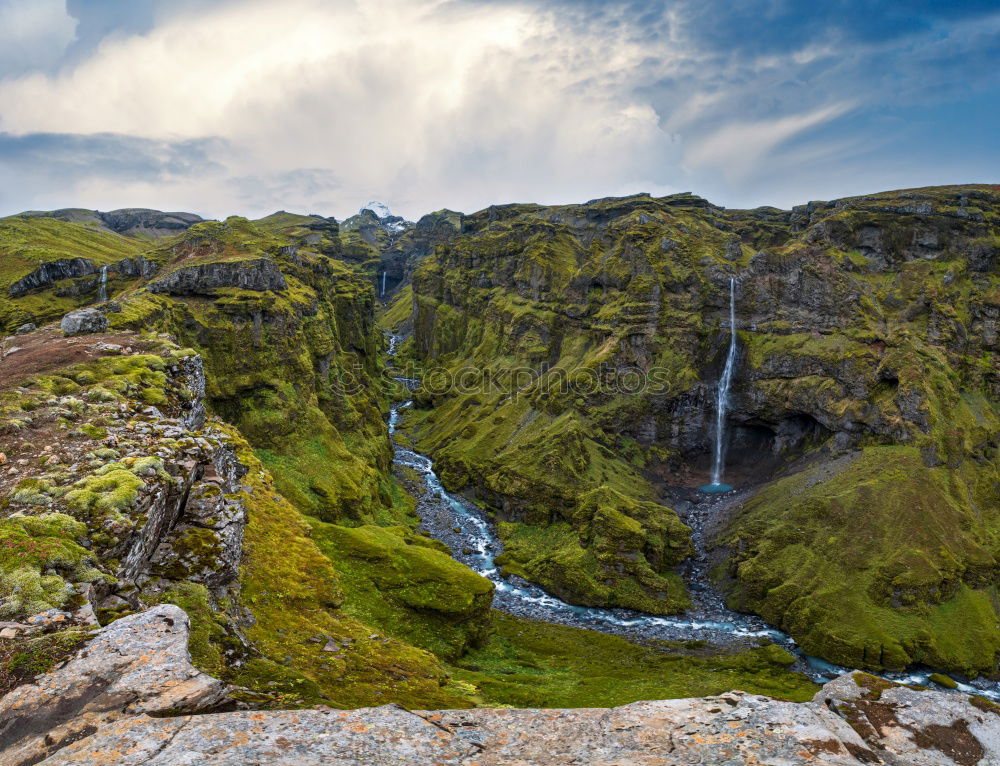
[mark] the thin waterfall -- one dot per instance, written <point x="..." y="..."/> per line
<point x="102" y="285"/>
<point x="722" y="400"/>
<point x="383" y="284"/>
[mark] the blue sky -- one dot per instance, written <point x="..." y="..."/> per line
<point x="220" y="107"/>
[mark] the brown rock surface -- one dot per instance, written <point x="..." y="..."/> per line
<point x="122" y="702"/>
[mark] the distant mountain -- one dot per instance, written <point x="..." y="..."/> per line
<point x="131" y="221"/>
<point x="375" y="224"/>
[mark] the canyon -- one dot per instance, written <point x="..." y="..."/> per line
<point x="460" y="463"/>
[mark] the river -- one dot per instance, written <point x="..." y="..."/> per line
<point x="472" y="539"/>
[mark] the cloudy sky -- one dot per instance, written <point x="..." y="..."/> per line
<point x="248" y="106"/>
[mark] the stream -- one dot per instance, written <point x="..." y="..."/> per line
<point x="472" y="539"/>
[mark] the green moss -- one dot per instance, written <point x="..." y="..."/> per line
<point x="402" y="583"/>
<point x="873" y="685"/>
<point x="296" y="596"/>
<point x="31" y="549"/>
<point x="942" y="680"/>
<point x="399" y="311"/>
<point x="92" y="431"/>
<point x="880" y="565"/>
<point x="113" y="489"/>
<point x="591" y="531"/>
<point x="984" y="704"/>
<point x="209" y="637"/>
<point x="534" y="664"/>
<point x="22" y="659"/>
<point x="589" y="569"/>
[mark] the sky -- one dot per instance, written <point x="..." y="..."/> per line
<point x="224" y="107"/>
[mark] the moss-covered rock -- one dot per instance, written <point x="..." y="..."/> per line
<point x="407" y="585"/>
<point x="881" y="563"/>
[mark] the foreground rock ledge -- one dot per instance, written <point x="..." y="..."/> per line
<point x="96" y="710"/>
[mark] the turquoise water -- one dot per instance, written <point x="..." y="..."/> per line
<point x="715" y="489"/>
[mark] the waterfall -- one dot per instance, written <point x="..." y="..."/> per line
<point x="383" y="284"/>
<point x="102" y="285"/>
<point x="722" y="400"/>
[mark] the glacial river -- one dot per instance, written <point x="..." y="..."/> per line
<point x="470" y="535"/>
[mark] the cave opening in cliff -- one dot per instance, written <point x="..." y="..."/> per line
<point x="756" y="450"/>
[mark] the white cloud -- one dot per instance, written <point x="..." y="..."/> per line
<point x="320" y="105"/>
<point x="740" y="148"/>
<point x="33" y="33"/>
<point x="427" y="103"/>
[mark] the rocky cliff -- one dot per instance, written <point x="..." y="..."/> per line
<point x="120" y="492"/>
<point x="127" y="698"/>
<point x="570" y="355"/>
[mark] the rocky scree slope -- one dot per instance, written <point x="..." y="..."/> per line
<point x="129" y="698"/>
<point x="866" y="406"/>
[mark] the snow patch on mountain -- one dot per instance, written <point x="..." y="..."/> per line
<point x="386" y="218"/>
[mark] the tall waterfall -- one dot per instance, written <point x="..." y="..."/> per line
<point x="722" y="400"/>
<point x="102" y="285"/>
<point x="382" y="294"/>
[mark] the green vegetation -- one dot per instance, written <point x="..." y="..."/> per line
<point x="21" y="659"/>
<point x="536" y="664"/>
<point x="869" y="366"/>
<point x="39" y="557"/>
<point x="296" y="594"/>
<point x="543" y="429"/>
<point x="616" y="552"/>
<point x="399" y="310"/>
<point x="296" y="370"/>
<point x="26" y="243"/>
<point x="885" y="564"/>
<point x="868" y="324"/>
<point x="408" y="585"/>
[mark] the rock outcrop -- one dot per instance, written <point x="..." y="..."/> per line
<point x="138" y="664"/>
<point x="47" y="273"/>
<point x="258" y="274"/>
<point x="121" y="702"/>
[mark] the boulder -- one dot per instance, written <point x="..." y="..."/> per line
<point x="136" y="665"/>
<point x="83" y="322"/>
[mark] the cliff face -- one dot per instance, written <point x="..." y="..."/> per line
<point x="570" y="359"/>
<point x="292" y="356"/>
